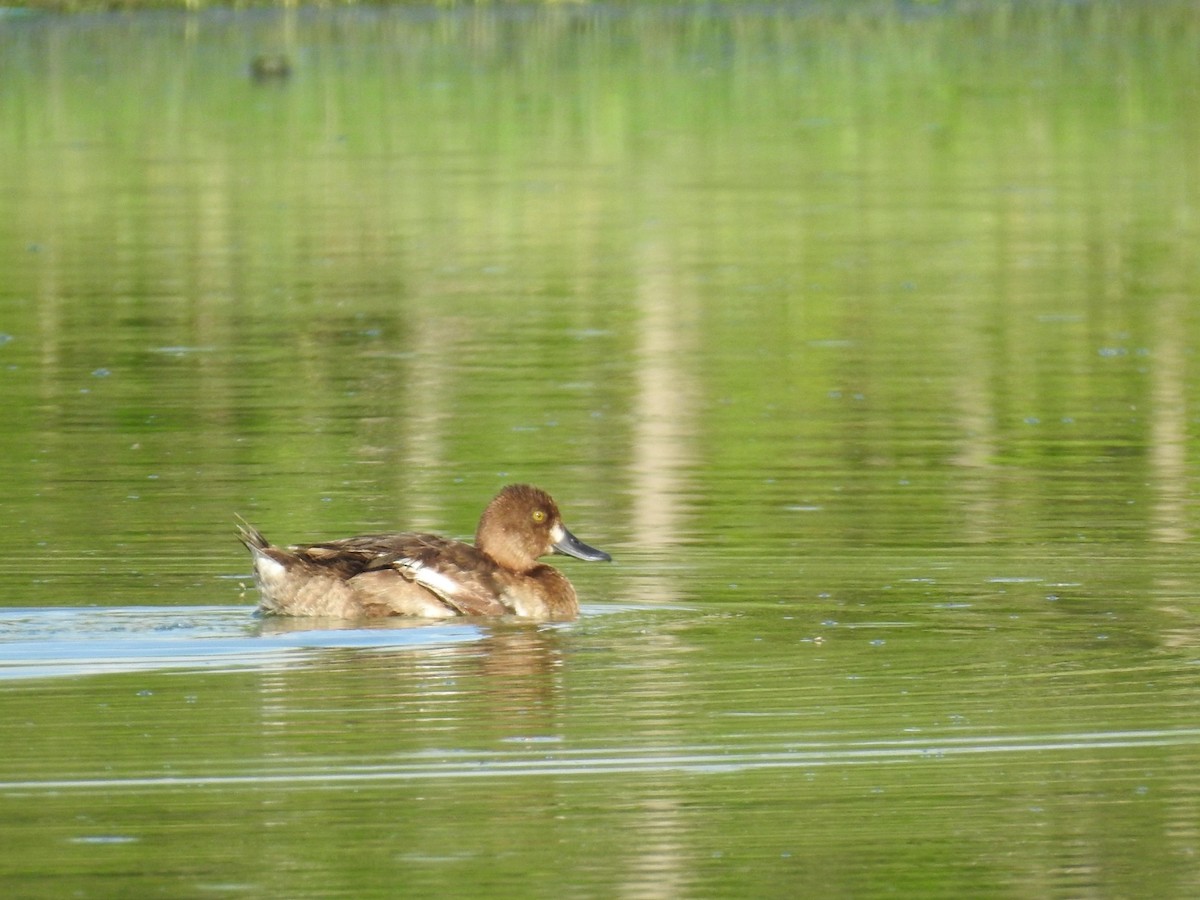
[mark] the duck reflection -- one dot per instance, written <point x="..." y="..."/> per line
<point x="485" y="683"/>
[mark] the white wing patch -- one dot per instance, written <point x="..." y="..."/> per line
<point x="441" y="584"/>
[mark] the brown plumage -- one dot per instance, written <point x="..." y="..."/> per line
<point x="415" y="574"/>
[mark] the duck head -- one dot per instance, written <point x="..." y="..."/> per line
<point x="522" y="524"/>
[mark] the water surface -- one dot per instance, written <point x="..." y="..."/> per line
<point x="863" y="337"/>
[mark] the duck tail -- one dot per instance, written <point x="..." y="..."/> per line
<point x="250" y="536"/>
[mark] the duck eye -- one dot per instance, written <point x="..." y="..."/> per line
<point x="539" y="516"/>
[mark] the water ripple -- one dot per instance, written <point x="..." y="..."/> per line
<point x="67" y="641"/>
<point x="635" y="761"/>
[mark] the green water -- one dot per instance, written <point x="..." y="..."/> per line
<point x="863" y="336"/>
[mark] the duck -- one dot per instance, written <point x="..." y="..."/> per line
<point x="426" y="575"/>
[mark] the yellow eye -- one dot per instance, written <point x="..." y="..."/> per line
<point x="539" y="516"/>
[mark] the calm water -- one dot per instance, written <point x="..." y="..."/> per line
<point x="864" y="338"/>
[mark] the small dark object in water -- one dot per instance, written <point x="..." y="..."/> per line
<point x="270" y="67"/>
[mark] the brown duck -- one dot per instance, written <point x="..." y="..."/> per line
<point x="413" y="574"/>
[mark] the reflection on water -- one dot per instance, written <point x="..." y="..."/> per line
<point x="43" y="643"/>
<point x="663" y="451"/>
<point x="50" y="642"/>
<point x="512" y="730"/>
<point x="1169" y="425"/>
<point x="861" y="335"/>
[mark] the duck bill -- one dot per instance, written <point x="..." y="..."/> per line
<point x="569" y="545"/>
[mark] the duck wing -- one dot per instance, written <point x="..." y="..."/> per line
<point x="352" y="556"/>
<point x="458" y="574"/>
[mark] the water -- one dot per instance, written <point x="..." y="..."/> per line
<point x="863" y="338"/>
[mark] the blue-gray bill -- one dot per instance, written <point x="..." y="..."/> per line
<point x="569" y="545"/>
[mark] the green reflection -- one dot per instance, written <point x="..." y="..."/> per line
<point x="862" y="335"/>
